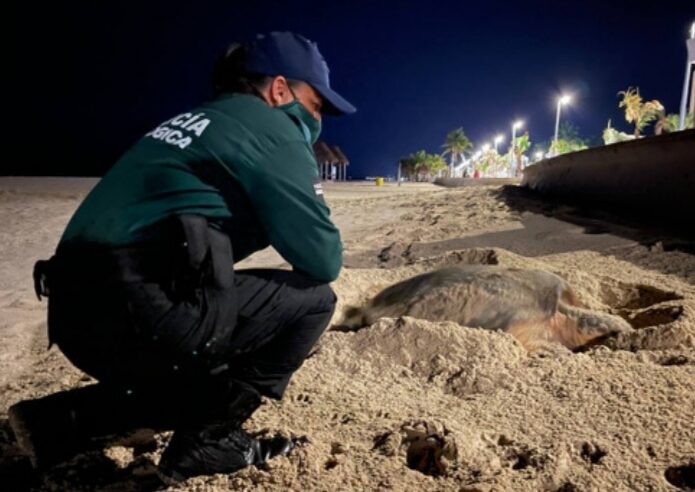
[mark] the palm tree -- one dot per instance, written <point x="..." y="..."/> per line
<point x="456" y="143"/>
<point x="637" y="111"/>
<point x="412" y="165"/>
<point x="407" y="166"/>
<point x="666" y="123"/>
<point x="435" y="164"/>
<point x="421" y="165"/>
<point x="671" y="123"/>
<point x="521" y="144"/>
<point x="485" y="162"/>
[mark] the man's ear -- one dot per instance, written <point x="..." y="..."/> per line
<point x="279" y="91"/>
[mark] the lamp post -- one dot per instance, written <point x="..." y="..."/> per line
<point x="515" y="125"/>
<point x="539" y="156"/>
<point x="690" y="43"/>
<point x="498" y="140"/>
<point x="561" y="101"/>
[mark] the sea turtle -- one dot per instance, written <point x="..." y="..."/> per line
<point x="533" y="305"/>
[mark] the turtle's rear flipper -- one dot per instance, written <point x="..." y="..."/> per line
<point x="353" y="319"/>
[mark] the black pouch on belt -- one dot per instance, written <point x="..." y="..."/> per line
<point x="205" y="258"/>
<point x="42" y="275"/>
<point x="204" y="276"/>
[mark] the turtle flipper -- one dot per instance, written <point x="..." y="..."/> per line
<point x="353" y="319"/>
<point x="582" y="327"/>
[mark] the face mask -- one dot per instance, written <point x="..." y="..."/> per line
<point x="310" y="126"/>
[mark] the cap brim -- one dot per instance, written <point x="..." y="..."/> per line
<point x="333" y="103"/>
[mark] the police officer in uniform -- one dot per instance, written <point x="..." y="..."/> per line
<point x="142" y="291"/>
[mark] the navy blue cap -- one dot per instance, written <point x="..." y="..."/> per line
<point x="295" y="57"/>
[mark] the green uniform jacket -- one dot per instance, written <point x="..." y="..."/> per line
<point x="240" y="163"/>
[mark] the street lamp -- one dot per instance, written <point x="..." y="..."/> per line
<point x="485" y="147"/>
<point x="515" y="125"/>
<point x="561" y="101"/>
<point x="498" y="140"/>
<point x="688" y="82"/>
<point x="539" y="156"/>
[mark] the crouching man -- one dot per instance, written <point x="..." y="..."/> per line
<point x="142" y="291"/>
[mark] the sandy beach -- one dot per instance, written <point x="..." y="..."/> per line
<point x="373" y="403"/>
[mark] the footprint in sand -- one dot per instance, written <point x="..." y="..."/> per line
<point x="429" y="447"/>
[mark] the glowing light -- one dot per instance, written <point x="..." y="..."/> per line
<point x="539" y="156"/>
<point x="485" y="147"/>
<point x="518" y="124"/>
<point x="499" y="139"/>
<point x="692" y="31"/>
<point x="565" y="99"/>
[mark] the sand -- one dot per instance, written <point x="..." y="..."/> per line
<point x="410" y="404"/>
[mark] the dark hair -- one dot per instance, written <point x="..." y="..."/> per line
<point x="230" y="75"/>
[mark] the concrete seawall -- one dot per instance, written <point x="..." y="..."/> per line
<point x="651" y="179"/>
<point x="456" y="182"/>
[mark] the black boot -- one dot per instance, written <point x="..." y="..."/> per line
<point x="216" y="449"/>
<point x="222" y="447"/>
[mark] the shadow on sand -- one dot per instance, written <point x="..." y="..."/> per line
<point x="545" y="228"/>
<point x="673" y="233"/>
<point x="89" y="471"/>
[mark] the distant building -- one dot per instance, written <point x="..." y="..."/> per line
<point x="332" y="162"/>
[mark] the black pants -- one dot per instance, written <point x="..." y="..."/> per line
<point x="178" y="324"/>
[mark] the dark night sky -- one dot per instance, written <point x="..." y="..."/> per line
<point x="87" y="80"/>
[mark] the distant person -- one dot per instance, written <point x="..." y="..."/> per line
<point x="142" y="291"/>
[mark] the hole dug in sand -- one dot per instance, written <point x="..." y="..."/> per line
<point x="637" y="304"/>
<point x="636" y="296"/>
<point x="653" y="316"/>
<point x="651" y="312"/>
<point x="429" y="447"/>
<point x="682" y="476"/>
